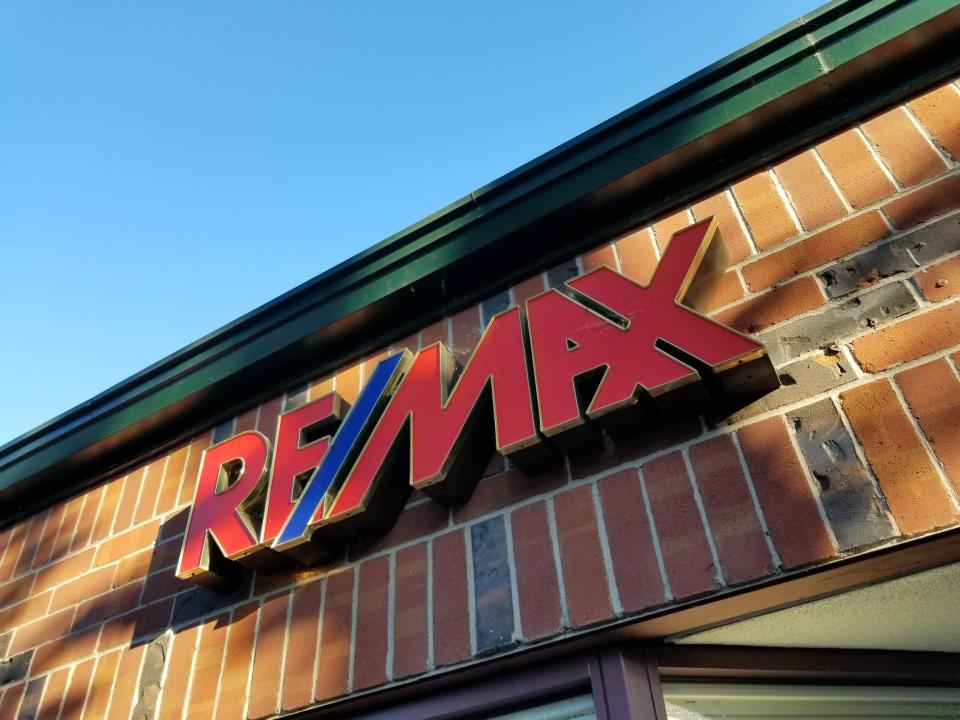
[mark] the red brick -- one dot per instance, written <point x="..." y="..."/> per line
<point x="32" y="607"/>
<point x="734" y="524"/>
<point x="88" y="516"/>
<point x="721" y="207"/>
<point x="414" y="522"/>
<point x="269" y="416"/>
<point x="648" y="441"/>
<point x="855" y="169"/>
<point x="434" y="332"/>
<point x="163" y="584"/>
<point x="370" y="653"/>
<point x="31" y="543"/>
<point x="179" y="672"/>
<point x="507" y="488"/>
<point x="638" y="258"/>
<point x="10" y="700"/>
<point x="206" y="672"/>
<point x="65" y="570"/>
<point x="451" y="620"/>
<point x="101" y="689"/>
<point x="247" y="420"/>
<point x="785" y="496"/>
<point x="110" y="604"/>
<point x="600" y="256"/>
<point x="813" y="197"/>
<point x="729" y="290"/>
<point x="53" y="691"/>
<point x="48" y="537"/>
<point x="306" y="601"/>
<point x="68" y="528"/>
<point x="852" y="234"/>
<point x="268" y="658"/>
<point x="150" y="491"/>
<point x="133" y="567"/>
<point x="938" y="110"/>
<point x="683" y="540"/>
<point x="348" y="383"/>
<point x="128" y="543"/>
<point x="909" y="339"/>
<point x="496" y="465"/>
<point x="236" y="664"/>
<point x="14" y="591"/>
<point x="465" y="332"/>
<point x="43" y="629"/>
<point x="538" y="589"/>
<point x="905" y="151"/>
<point x="268" y="583"/>
<point x="172" y="477"/>
<point x="15" y="538"/>
<point x="527" y="289"/>
<point x="107" y="511"/>
<point x="76" y="694"/>
<point x="410" y="342"/>
<point x="324" y="386"/>
<point x="410" y="612"/>
<point x="127" y="506"/>
<point x="941" y="281"/>
<point x="781" y="303"/>
<point x="125" y="690"/>
<point x="664" y="228"/>
<point x="581" y="557"/>
<point x="632" y="551"/>
<point x="64" y="650"/>
<point x="143" y="621"/>
<point x="333" y="666"/>
<point x="908" y="478"/>
<point x="764" y="210"/>
<point x="189" y="486"/>
<point x="933" y="393"/>
<point x="82" y="588"/>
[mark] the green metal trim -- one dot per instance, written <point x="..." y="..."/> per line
<point x="818" y="73"/>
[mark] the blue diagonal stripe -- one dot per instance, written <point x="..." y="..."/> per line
<point x="344" y="441"/>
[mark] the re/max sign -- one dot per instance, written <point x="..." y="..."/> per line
<point x="608" y="353"/>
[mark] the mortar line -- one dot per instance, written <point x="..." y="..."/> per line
<point x="698" y="499"/>
<point x="612" y="590"/>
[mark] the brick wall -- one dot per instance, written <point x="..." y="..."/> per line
<point x="845" y="263"/>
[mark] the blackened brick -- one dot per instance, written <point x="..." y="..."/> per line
<point x="798" y="380"/>
<point x="786" y="499"/>
<point x="849" y="497"/>
<point x="824" y="329"/>
<point x="493" y="305"/>
<point x="902" y="255"/>
<point x="492" y="585"/>
<point x="30" y="705"/>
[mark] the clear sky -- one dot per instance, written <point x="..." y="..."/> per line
<point x="167" y="167"/>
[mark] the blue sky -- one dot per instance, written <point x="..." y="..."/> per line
<point x="167" y="167"/>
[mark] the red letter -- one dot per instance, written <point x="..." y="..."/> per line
<point x="595" y="356"/>
<point x="451" y="433"/>
<point x="232" y="479"/>
<point x="297" y="453"/>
